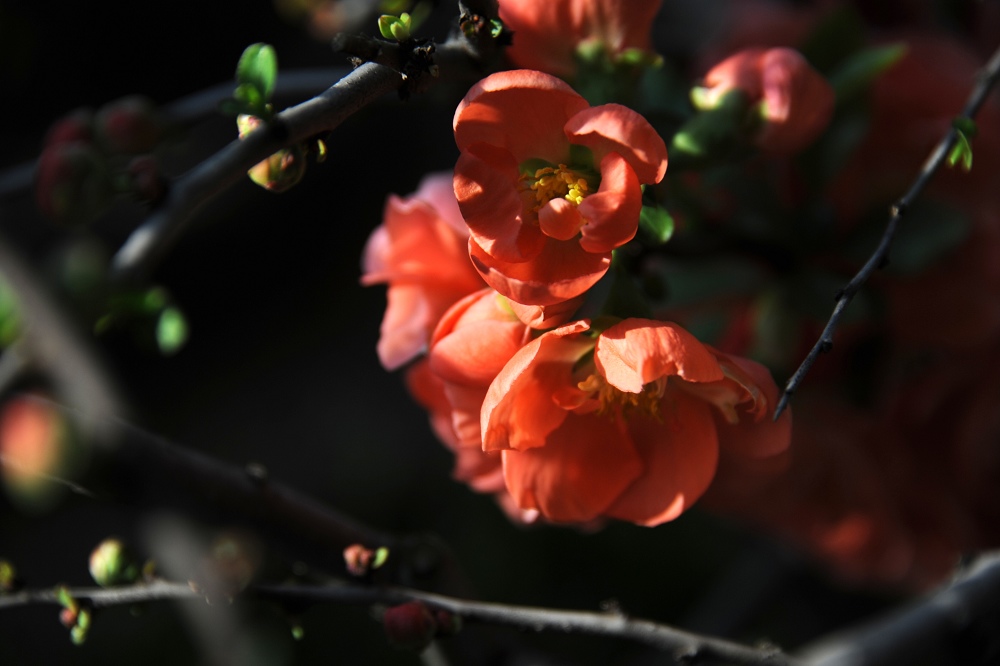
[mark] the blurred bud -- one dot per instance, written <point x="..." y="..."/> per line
<point x="9" y="580"/>
<point x="112" y="563"/>
<point x="72" y="183"/>
<point x="33" y="443"/>
<point x="146" y="181"/>
<point x="794" y="103"/>
<point x="233" y="562"/>
<point x="128" y="126"/>
<point x="78" y="634"/>
<point x="410" y="625"/>
<point x="448" y="624"/>
<point x="360" y="560"/>
<point x="280" y="171"/>
<point x="246" y="123"/>
<point x="75" y="127"/>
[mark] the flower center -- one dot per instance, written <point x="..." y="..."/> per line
<point x="612" y="399"/>
<point x="547" y="183"/>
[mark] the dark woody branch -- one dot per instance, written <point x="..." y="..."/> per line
<point x="987" y="78"/>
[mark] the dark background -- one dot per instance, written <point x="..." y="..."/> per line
<point x="281" y="369"/>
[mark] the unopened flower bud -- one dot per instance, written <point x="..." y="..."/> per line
<point x="147" y="182"/>
<point x="112" y="563"/>
<point x="410" y="625"/>
<point x="72" y="183"/>
<point x="128" y="126"/>
<point x="281" y="171"/>
<point x="77" y="126"/>
<point x="9" y="580"/>
<point x="793" y="101"/>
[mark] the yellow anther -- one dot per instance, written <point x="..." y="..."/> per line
<point x="646" y="401"/>
<point x="548" y="183"/>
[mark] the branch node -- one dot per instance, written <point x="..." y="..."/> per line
<point x="257" y="473"/>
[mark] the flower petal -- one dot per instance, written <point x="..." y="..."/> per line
<point x="679" y="457"/>
<point x="487" y="195"/>
<point x="560" y="219"/>
<point x="613" y="128"/>
<point x="611" y="213"/>
<point x="537" y="105"/>
<point x="635" y="352"/>
<point x="519" y="412"/>
<point x="561" y="271"/>
<point x="585" y="464"/>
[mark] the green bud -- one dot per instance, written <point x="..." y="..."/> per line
<point x="111" y="563"/>
<point x="395" y="27"/>
<point x="282" y="170"/>
<point x="8" y="577"/>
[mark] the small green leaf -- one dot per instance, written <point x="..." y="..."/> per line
<point x="395" y="27"/>
<point x="657" y="222"/>
<point x="258" y="67"/>
<point x="250" y="95"/>
<point x="961" y="151"/>
<point x="858" y="72"/>
<point x="381" y="555"/>
<point x="171" y="330"/>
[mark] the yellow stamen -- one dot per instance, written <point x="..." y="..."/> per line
<point x="611" y="399"/>
<point x="548" y="183"/>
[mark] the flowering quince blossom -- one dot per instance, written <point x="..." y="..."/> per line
<point x="548" y="185"/>
<point x="626" y="424"/>
<point x="795" y="102"/>
<point x="420" y="250"/>
<point x="548" y="34"/>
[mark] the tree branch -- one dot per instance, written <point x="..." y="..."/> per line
<point x="685" y="647"/>
<point x="987" y="77"/>
<point x="314" y="117"/>
<point x="954" y="626"/>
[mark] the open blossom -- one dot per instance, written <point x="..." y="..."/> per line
<point x="420" y="250"/>
<point x="549" y="33"/>
<point x="548" y="185"/>
<point x="794" y="101"/>
<point x="627" y="425"/>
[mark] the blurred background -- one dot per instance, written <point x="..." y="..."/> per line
<point x="280" y="366"/>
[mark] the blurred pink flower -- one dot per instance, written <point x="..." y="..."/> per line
<point x="421" y="251"/>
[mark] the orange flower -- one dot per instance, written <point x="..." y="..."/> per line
<point x="421" y="251"/>
<point x="626" y="426"/>
<point x="548" y="34"/>
<point x="794" y="101"/>
<point x="548" y="185"/>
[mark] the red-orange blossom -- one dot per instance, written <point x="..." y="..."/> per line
<point x="549" y="185"/>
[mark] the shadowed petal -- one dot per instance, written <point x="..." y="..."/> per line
<point x="612" y="213"/>
<point x="561" y="271"/>
<point x="613" y="128"/>
<point x="679" y="457"/>
<point x="585" y="464"/>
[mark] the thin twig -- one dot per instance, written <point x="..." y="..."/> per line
<point x="98" y="597"/>
<point x="315" y="117"/>
<point x="684" y="646"/>
<point x="986" y="78"/>
<point x="292" y="84"/>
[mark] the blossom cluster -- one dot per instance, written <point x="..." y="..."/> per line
<point x="563" y="416"/>
<point x="572" y="405"/>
